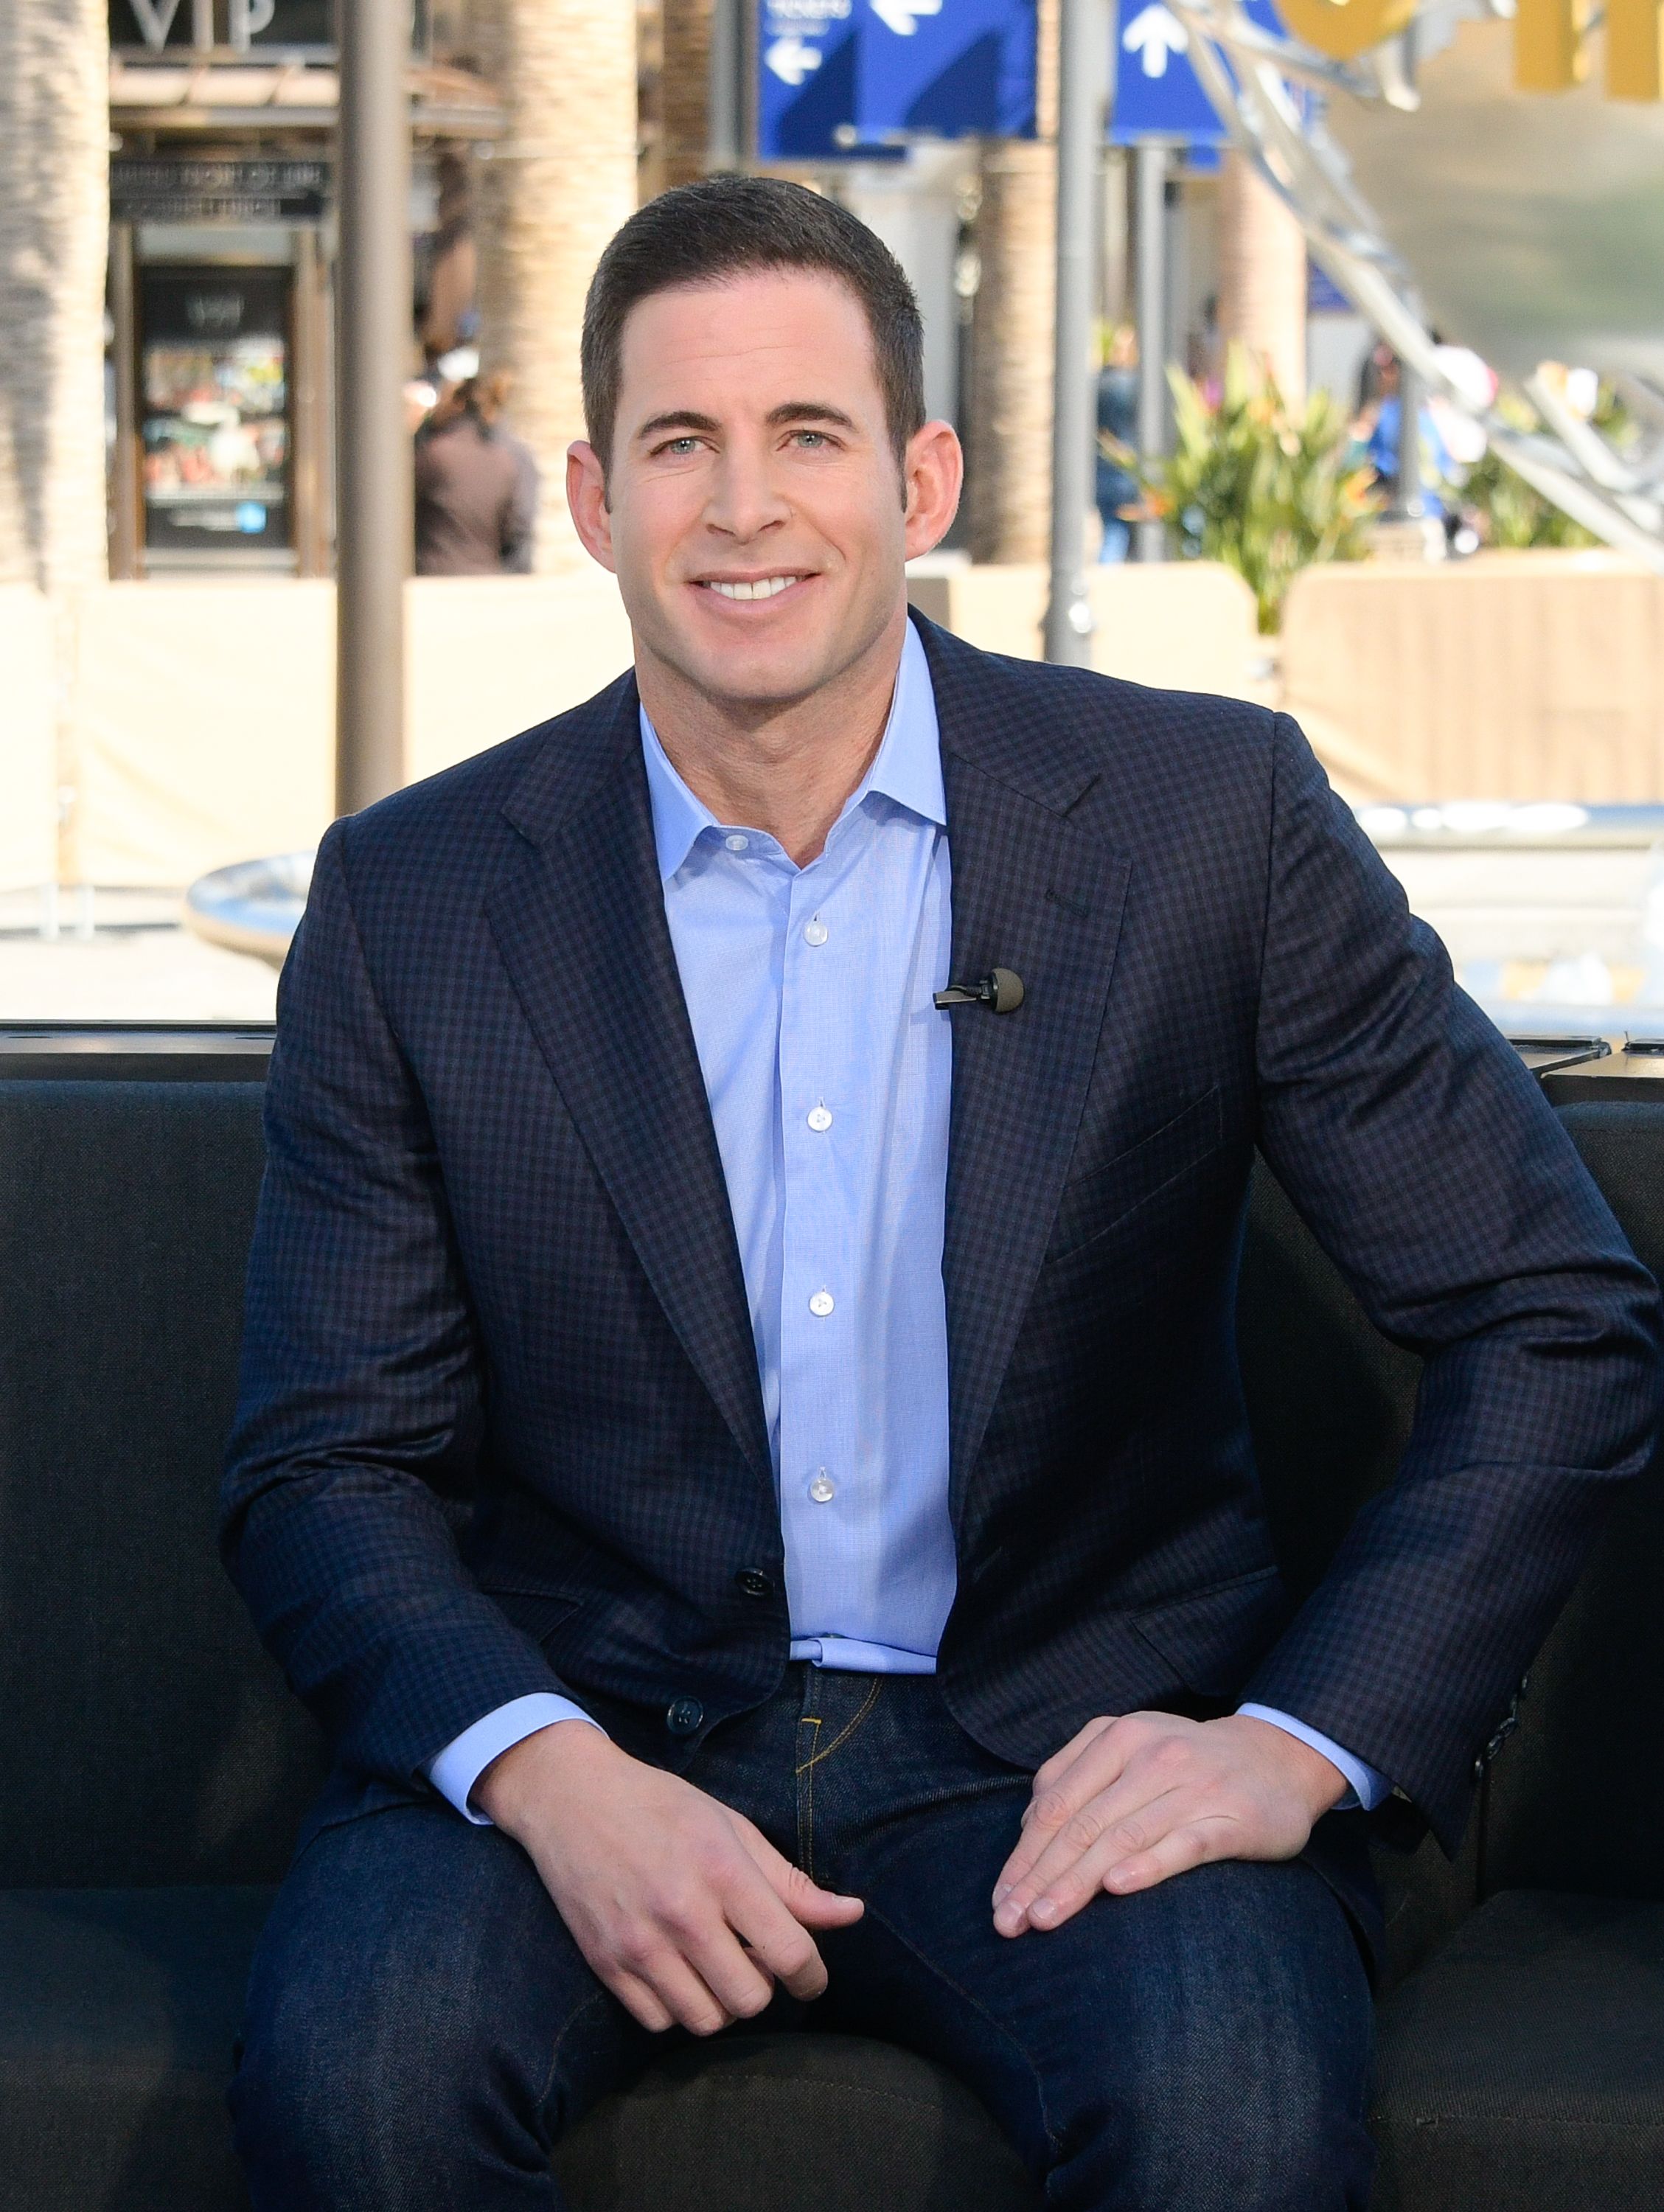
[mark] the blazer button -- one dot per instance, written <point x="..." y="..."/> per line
<point x="684" y="1715"/>
<point x="754" y="1582"/>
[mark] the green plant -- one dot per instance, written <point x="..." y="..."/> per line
<point x="1266" y="488"/>
<point x="1503" y="507"/>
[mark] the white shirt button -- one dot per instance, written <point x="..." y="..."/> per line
<point x="737" y="843"/>
<point x="821" y="1303"/>
<point x="815" y="932"/>
<point x="822" y="1487"/>
<point x="820" y="1117"/>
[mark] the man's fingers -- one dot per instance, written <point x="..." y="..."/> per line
<point x="1059" y="1809"/>
<point x="1063" y="1891"/>
<point x="1193" y="1843"/>
<point x="639" y="2000"/>
<point x="779" y="1941"/>
<point x="687" y="1999"/>
<point x="1052" y="1769"/>
<point x="734" y="1979"/>
<point x="803" y="1899"/>
<point x="1129" y="1818"/>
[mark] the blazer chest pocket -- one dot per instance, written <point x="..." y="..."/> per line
<point x="1094" y="1203"/>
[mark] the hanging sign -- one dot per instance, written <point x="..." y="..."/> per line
<point x="150" y="188"/>
<point x="863" y="77"/>
<point x="1157" y="93"/>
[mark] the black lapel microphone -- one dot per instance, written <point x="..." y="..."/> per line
<point x="1000" y="990"/>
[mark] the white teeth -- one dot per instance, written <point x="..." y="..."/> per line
<point x="764" y="588"/>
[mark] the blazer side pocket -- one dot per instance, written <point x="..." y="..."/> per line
<point x="536" y="1612"/>
<point x="1101" y="1198"/>
<point x="1213" y="1638"/>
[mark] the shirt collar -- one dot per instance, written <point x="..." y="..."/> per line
<point x="905" y="769"/>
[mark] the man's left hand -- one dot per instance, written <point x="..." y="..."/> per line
<point x="1129" y="1801"/>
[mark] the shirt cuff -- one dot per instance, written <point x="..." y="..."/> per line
<point x="1367" y="1789"/>
<point x="456" y="1769"/>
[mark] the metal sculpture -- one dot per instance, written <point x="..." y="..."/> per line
<point x="1439" y="195"/>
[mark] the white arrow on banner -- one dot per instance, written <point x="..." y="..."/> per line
<point x="791" y="60"/>
<point x="1153" y="33"/>
<point x="898" y="16"/>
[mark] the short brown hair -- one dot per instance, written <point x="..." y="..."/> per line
<point x="726" y="226"/>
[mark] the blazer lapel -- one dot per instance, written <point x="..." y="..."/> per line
<point x="1035" y="889"/>
<point x="579" y="917"/>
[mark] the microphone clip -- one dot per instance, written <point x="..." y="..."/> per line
<point x="1000" y="990"/>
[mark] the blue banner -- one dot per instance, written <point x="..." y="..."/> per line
<point x="1157" y="92"/>
<point x="861" y="77"/>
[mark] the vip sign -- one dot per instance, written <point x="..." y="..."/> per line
<point x="234" y="27"/>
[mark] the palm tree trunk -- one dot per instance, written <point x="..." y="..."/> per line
<point x="1009" y="404"/>
<point x="685" y="88"/>
<point x="54" y="233"/>
<point x="1262" y="275"/>
<point x="560" y="180"/>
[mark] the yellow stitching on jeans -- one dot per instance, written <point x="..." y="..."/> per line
<point x="806" y="1721"/>
<point x="866" y="1708"/>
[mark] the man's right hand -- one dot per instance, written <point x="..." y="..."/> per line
<point x="683" y="1909"/>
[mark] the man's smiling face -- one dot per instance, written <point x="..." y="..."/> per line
<point x="754" y="510"/>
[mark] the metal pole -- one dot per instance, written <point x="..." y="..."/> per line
<point x="127" y="516"/>
<point x="1083" y="47"/>
<point x="725" y="132"/>
<point x="1151" y="216"/>
<point x="373" y="305"/>
<point x="1409" y="501"/>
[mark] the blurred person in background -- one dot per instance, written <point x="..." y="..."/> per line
<point x="1375" y="432"/>
<point x="475" y="486"/>
<point x="1118" y="431"/>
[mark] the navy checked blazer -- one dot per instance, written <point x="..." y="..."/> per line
<point x="500" y="1427"/>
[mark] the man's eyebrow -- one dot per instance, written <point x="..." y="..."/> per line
<point x="679" y="418"/>
<point x="810" y="411"/>
<point x="791" y="411"/>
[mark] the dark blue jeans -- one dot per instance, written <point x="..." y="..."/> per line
<point x="422" y="2027"/>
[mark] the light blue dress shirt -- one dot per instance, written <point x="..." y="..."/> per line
<point x="830" y="1073"/>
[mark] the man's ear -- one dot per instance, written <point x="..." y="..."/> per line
<point x="586" y="496"/>
<point x="932" y="473"/>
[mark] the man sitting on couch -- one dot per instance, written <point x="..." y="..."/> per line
<point x="741" y="1444"/>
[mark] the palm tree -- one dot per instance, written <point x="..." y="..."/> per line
<point x="685" y="88"/>
<point x="1262" y="276"/>
<point x="560" y="181"/>
<point x="1010" y="401"/>
<point x="54" y="230"/>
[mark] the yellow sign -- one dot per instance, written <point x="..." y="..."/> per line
<point x="1346" y="28"/>
<point x="1634" y="49"/>
<point x="1549" y="52"/>
<point x="1550" y="41"/>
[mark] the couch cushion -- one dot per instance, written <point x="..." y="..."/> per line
<point x="119" y="2010"/>
<point x="1522" y="2069"/>
<point x="793" y="2123"/>
<point x="148" y="1738"/>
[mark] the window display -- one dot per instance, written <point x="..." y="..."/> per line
<point x="214" y="395"/>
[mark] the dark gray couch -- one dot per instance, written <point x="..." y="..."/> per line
<point x="153" y="1769"/>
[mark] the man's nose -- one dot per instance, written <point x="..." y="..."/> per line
<point x="745" y="497"/>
